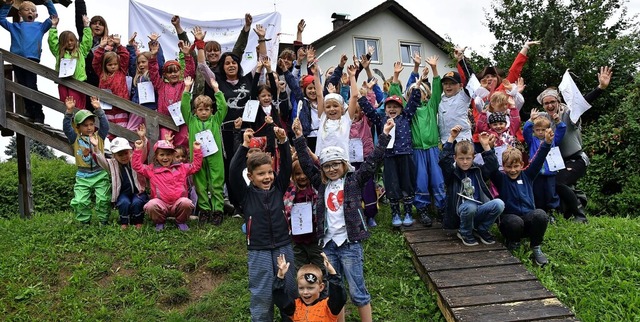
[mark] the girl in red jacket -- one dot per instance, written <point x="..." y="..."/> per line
<point x="111" y="67"/>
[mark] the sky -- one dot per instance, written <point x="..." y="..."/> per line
<point x="463" y="21"/>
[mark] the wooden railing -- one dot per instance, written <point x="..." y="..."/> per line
<point x="153" y="120"/>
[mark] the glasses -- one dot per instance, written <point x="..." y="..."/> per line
<point x="331" y="166"/>
<point x="549" y="103"/>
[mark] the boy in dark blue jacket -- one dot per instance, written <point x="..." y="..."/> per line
<point x="515" y="185"/>
<point x="266" y="224"/>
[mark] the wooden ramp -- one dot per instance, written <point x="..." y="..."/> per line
<point x="480" y="283"/>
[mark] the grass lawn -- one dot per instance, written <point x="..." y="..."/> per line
<point x="53" y="269"/>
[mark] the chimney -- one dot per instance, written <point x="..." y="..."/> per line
<point x="339" y="20"/>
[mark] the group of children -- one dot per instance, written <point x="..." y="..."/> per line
<point x="312" y="202"/>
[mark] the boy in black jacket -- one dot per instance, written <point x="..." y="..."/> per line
<point x="267" y="227"/>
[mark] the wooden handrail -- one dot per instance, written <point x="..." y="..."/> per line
<point x="85" y="88"/>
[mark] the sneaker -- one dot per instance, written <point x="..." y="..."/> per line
<point x="467" y="240"/>
<point x="485" y="237"/>
<point x="407" y="221"/>
<point x="193" y="217"/>
<point x="216" y="218"/>
<point x="182" y="227"/>
<point x="228" y="208"/>
<point x="539" y="257"/>
<point x="244" y="228"/>
<point x="124" y="226"/>
<point x="395" y="221"/>
<point x="580" y="219"/>
<point x="512" y="245"/>
<point x="425" y="220"/>
<point x="237" y="213"/>
<point x="159" y="227"/>
<point x="138" y="226"/>
<point x="440" y="214"/>
<point x="371" y="222"/>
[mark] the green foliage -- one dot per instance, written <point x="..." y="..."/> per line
<point x="613" y="179"/>
<point x="35" y="147"/>
<point x="52" y="185"/>
<point x="580" y="35"/>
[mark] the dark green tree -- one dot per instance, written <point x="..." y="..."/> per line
<point x="35" y="147"/>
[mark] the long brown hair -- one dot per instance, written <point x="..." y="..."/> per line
<point x="147" y="55"/>
<point x="108" y="56"/>
<point x="103" y="22"/>
<point x="62" y="44"/>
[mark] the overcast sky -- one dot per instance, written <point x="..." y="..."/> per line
<point x="462" y="21"/>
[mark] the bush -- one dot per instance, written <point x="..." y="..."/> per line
<point x="613" y="178"/>
<point x="52" y="185"/>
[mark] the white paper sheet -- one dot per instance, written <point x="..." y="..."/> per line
<point x="176" y="114"/>
<point x="571" y="94"/>
<point x="146" y="94"/>
<point x="207" y="143"/>
<point x="250" y="111"/>
<point x="104" y="105"/>
<point x="392" y="133"/>
<point x="356" y="150"/>
<point x="301" y="218"/>
<point x="67" y="67"/>
<point x="554" y="159"/>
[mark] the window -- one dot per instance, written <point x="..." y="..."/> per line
<point x="362" y="44"/>
<point x="406" y="52"/>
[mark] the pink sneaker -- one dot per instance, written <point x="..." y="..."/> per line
<point x="183" y="227"/>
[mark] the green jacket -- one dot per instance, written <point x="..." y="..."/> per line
<point x="212" y="123"/>
<point x="83" y="50"/>
<point x="424" y="128"/>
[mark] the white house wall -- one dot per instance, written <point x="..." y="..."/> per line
<point x="391" y="31"/>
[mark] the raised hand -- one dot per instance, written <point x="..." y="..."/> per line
<point x="139" y="144"/>
<point x="343" y="60"/>
<point x="153" y="37"/>
<point x="281" y="134"/>
<point x="389" y="125"/>
<point x="530" y="43"/>
<point x="168" y="136"/>
<point x="484" y="139"/>
<point x="154" y="47"/>
<point x="371" y="50"/>
<point x="142" y="131"/>
<point x="188" y="81"/>
<point x="116" y="40"/>
<point x="397" y="67"/>
<point x="70" y="103"/>
<point x="266" y="62"/>
<point x="331" y="88"/>
<point x="184" y="47"/>
<point x="260" y="31"/>
<point x="248" y="20"/>
<point x="198" y="33"/>
<point x="175" y="21"/>
<point x="196" y="145"/>
<point x="103" y="41"/>
<point x="458" y="52"/>
<point x="311" y="54"/>
<point x="283" y="266"/>
<point x="214" y="84"/>
<point x="85" y="21"/>
<point x="54" y="21"/>
<point x="455" y="131"/>
<point x="94" y="140"/>
<point x="534" y="114"/>
<point x="432" y="61"/>
<point x="417" y="60"/>
<point x="352" y="70"/>
<point x="282" y="86"/>
<point x="296" y="127"/>
<point x="301" y="54"/>
<point x="548" y="135"/>
<point x="604" y="77"/>
<point x="521" y="85"/>
<point x="246" y="137"/>
<point x="237" y="123"/>
<point x="132" y="40"/>
<point x="95" y="102"/>
<point x="364" y="61"/>
<point x="327" y="264"/>
<point x="301" y="25"/>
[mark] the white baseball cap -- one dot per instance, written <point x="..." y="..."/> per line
<point x="118" y="144"/>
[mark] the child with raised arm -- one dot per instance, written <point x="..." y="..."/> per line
<point x="267" y="229"/>
<point x="210" y="179"/>
<point x="515" y="185"/>
<point x="26" y="41"/>
<point x="128" y="188"/>
<point x="470" y="208"/>
<point x="310" y="305"/>
<point x="90" y="177"/>
<point x="168" y="183"/>
<point x="399" y="168"/>
<point x="67" y="47"/>
<point x="111" y="67"/>
<point x="341" y="225"/>
<point x="426" y="138"/>
<point x="544" y="186"/>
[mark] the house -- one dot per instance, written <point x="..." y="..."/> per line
<point x="392" y="30"/>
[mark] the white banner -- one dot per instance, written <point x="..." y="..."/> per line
<point x="146" y="20"/>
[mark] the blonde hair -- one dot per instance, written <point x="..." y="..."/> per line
<point x="146" y="55"/>
<point x="511" y="155"/>
<point x="108" y="57"/>
<point x="498" y="99"/>
<point x="26" y="4"/>
<point x="542" y="122"/>
<point x="63" y="39"/>
<point x="203" y="100"/>
<point x="309" y="269"/>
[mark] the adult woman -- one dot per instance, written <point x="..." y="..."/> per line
<point x="575" y="160"/>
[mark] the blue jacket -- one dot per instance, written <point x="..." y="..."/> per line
<point x="402" y="143"/>
<point x="453" y="180"/>
<point x="534" y="143"/>
<point x="26" y="37"/>
<point x="518" y="194"/>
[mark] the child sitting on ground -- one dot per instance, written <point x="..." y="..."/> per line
<point x="127" y="187"/>
<point x="26" y="41"/>
<point x="268" y="234"/>
<point x="470" y="208"/>
<point x="515" y="185"/>
<point x="309" y="306"/>
<point x="168" y="183"/>
<point x="90" y="176"/>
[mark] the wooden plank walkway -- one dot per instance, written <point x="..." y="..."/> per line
<point x="479" y="283"/>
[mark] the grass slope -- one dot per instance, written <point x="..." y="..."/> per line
<point x="53" y="269"/>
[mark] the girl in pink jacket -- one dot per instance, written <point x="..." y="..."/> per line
<point x="168" y="182"/>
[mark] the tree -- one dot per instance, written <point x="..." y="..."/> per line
<point x="35" y="147"/>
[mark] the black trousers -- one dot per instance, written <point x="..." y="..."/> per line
<point x="532" y="225"/>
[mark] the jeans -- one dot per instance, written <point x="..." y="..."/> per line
<point x="480" y="217"/>
<point x="130" y="208"/>
<point x="348" y="261"/>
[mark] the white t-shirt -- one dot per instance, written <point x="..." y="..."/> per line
<point x="334" y="201"/>
<point x="333" y="133"/>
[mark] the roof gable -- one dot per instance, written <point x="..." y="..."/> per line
<point x="393" y="7"/>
